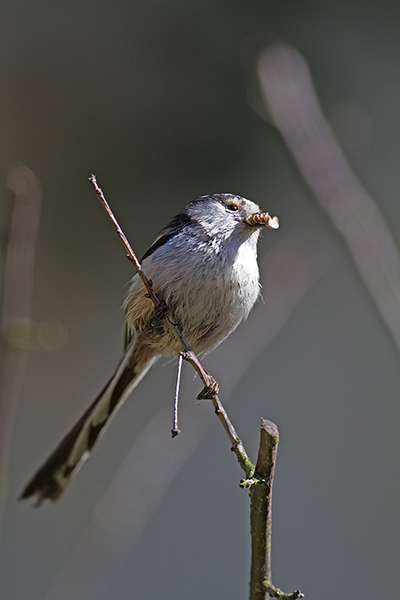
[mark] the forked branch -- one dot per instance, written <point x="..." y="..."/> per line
<point x="259" y="478"/>
<point x="210" y="390"/>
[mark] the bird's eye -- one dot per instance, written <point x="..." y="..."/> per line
<point x="232" y="206"/>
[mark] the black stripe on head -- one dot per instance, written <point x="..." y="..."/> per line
<point x="176" y="225"/>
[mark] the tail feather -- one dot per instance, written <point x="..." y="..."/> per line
<point x="50" y="480"/>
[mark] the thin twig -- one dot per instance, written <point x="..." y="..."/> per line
<point x="237" y="444"/>
<point x="210" y="390"/>
<point x="277" y="593"/>
<point x="258" y="478"/>
<point x="294" y="265"/>
<point x="210" y="384"/>
<point x="159" y="304"/>
<point x="175" y="430"/>
<point x="131" y="255"/>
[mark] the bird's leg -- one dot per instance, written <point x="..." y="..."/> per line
<point x="160" y="311"/>
<point x="211" y="386"/>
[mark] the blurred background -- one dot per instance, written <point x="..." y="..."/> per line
<point x="156" y="99"/>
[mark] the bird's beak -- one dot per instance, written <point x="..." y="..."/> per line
<point x="261" y="219"/>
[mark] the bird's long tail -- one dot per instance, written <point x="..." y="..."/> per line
<point x="74" y="449"/>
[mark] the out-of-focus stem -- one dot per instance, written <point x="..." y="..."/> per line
<point x="17" y="283"/>
<point x="294" y="108"/>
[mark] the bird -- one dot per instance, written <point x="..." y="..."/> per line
<point x="203" y="267"/>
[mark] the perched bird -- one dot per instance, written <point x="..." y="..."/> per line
<point x="203" y="266"/>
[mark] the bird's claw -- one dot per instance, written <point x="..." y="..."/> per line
<point x="209" y="391"/>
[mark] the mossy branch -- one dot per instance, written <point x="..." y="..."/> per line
<point x="259" y="478"/>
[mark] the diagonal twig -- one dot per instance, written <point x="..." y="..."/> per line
<point x="162" y="310"/>
<point x="210" y="391"/>
<point x="294" y="265"/>
<point x="131" y="255"/>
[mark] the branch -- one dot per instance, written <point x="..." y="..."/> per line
<point x="258" y="478"/>
<point x="131" y="255"/>
<point x="210" y="390"/>
<point x="260" y="516"/>
<point x="161" y="308"/>
<point x="277" y="593"/>
<point x="237" y="444"/>
<point x="293" y="266"/>
<point x="260" y="510"/>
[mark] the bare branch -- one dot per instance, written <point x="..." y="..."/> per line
<point x="260" y="510"/>
<point x="131" y="255"/>
<point x="277" y="593"/>
<point x="210" y="390"/>
<point x="258" y="478"/>
<point x="260" y="485"/>
<point x="294" y="265"/>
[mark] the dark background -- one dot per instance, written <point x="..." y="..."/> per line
<point x="152" y="96"/>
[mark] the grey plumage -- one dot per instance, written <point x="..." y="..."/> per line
<point x="203" y="265"/>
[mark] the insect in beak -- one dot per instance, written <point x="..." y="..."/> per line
<point x="262" y="219"/>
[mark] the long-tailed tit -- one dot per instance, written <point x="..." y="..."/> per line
<point x="203" y="265"/>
